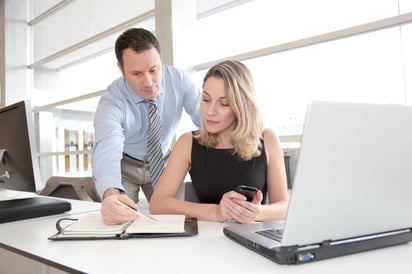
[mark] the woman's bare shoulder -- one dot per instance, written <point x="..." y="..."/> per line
<point x="272" y="143"/>
<point x="270" y="136"/>
<point x="185" y="139"/>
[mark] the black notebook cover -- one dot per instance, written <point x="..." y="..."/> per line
<point x="19" y="209"/>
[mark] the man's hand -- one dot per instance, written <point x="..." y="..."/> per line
<point x="112" y="212"/>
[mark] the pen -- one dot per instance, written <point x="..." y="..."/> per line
<point x="153" y="220"/>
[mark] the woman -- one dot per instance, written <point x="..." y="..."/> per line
<point x="232" y="148"/>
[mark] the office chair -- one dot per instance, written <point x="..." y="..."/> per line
<point x="77" y="188"/>
<point x="190" y="193"/>
<point x="187" y="192"/>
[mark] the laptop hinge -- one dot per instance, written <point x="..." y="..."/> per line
<point x="368" y="237"/>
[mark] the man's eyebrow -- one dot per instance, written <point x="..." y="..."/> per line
<point x="151" y="68"/>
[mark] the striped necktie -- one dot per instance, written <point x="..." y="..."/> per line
<point x="154" y="147"/>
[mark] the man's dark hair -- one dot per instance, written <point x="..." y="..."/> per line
<point x="137" y="39"/>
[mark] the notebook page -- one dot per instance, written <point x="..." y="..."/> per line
<point x="92" y="224"/>
<point x="165" y="224"/>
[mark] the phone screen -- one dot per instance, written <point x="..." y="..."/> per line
<point x="248" y="191"/>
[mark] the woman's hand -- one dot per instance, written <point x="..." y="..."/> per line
<point x="233" y="205"/>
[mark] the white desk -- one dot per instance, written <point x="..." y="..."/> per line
<point x="208" y="252"/>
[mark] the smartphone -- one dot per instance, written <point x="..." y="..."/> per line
<point x="248" y="191"/>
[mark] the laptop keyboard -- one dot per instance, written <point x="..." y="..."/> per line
<point x="273" y="233"/>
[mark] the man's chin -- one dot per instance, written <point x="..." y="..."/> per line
<point x="150" y="95"/>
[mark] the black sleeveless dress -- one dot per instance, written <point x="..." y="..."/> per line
<point x="217" y="171"/>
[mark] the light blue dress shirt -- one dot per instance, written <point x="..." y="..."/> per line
<point x="121" y="123"/>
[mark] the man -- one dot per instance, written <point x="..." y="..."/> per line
<point x="120" y="151"/>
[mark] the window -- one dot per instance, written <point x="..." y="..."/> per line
<point x="307" y="62"/>
<point x="297" y="50"/>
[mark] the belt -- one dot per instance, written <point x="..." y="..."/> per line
<point x="127" y="155"/>
<point x="164" y="157"/>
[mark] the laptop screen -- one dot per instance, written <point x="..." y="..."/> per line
<point x="353" y="175"/>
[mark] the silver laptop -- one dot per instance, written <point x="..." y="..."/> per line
<point x="352" y="187"/>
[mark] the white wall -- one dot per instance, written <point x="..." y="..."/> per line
<point x="16" y="37"/>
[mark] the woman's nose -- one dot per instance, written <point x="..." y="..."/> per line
<point x="211" y="109"/>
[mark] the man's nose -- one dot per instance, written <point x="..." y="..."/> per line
<point x="147" y="80"/>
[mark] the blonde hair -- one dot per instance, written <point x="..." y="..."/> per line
<point x="241" y="95"/>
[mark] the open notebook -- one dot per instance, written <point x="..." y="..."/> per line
<point x="91" y="226"/>
<point x="352" y="188"/>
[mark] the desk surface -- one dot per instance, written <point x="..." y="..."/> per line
<point x="208" y="252"/>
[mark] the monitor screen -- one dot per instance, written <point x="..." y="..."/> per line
<point x="19" y="168"/>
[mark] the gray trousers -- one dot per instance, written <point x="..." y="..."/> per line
<point x="136" y="175"/>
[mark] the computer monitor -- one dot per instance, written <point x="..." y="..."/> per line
<point x="19" y="169"/>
